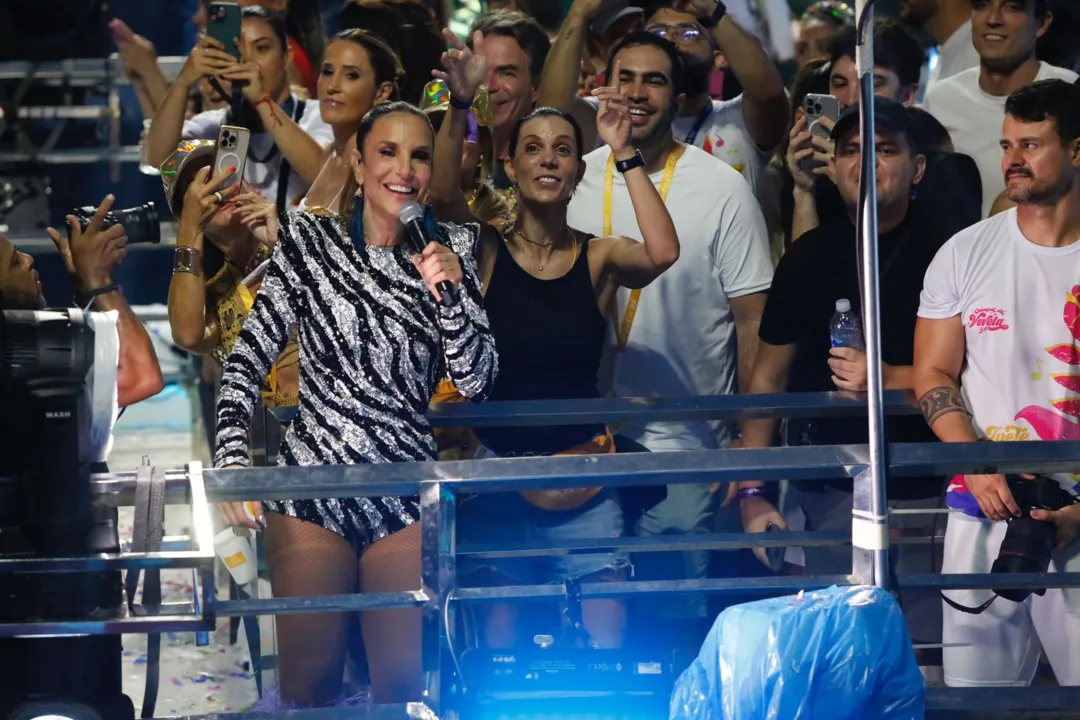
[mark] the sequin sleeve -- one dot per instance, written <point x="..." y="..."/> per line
<point x="468" y="346"/>
<point x="262" y="339"/>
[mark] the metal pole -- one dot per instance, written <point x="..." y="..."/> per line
<point x="870" y="523"/>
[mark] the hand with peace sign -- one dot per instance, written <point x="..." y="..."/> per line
<point x="613" y="123"/>
<point x="464" y="70"/>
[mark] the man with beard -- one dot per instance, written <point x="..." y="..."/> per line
<point x="993" y="357"/>
<point x="948" y="22"/>
<point x="971" y="104"/>
<point x="742" y="132"/>
<point x="694" y="330"/>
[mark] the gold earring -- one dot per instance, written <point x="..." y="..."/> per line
<point x="359" y="191"/>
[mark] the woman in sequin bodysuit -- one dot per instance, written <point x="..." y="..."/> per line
<point x="374" y="342"/>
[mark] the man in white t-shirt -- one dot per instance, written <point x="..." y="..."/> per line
<point x="971" y="104"/>
<point x="288" y="134"/>
<point x="948" y="22"/>
<point x="742" y="132"/>
<point x="682" y="338"/>
<point x="995" y="359"/>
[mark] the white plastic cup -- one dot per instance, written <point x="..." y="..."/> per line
<point x="236" y="553"/>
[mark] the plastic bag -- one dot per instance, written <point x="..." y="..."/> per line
<point x="835" y="654"/>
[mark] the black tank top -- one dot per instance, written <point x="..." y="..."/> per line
<point x="549" y="335"/>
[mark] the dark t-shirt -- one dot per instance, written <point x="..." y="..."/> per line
<point x="821" y="268"/>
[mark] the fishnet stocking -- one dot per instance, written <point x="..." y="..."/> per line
<point x="392" y="637"/>
<point x="307" y="560"/>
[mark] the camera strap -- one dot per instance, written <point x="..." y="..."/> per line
<point x="147" y="534"/>
<point x="978" y="610"/>
<point x="286" y="168"/>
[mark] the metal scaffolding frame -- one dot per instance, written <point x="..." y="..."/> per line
<point x="439" y="484"/>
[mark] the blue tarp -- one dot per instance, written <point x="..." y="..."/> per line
<point x="835" y="654"/>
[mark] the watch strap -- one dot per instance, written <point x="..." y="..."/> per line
<point x="83" y="299"/>
<point x="624" y="166"/>
<point x="717" y="15"/>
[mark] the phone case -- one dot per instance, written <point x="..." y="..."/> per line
<point x="223" y="24"/>
<point x="819" y="106"/>
<point x="232" y="151"/>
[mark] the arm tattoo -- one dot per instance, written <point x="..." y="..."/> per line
<point x="942" y="401"/>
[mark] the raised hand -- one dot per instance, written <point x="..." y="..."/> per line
<point x="204" y="197"/>
<point x="92" y="254"/>
<point x="613" y="123"/>
<point x="208" y="57"/>
<point x="248" y="72"/>
<point x="464" y="70"/>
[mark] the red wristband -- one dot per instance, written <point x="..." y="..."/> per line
<point x="264" y="99"/>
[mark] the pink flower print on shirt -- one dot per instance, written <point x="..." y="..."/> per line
<point x="1058" y="424"/>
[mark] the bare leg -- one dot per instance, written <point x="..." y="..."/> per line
<point x="392" y="637"/>
<point x="307" y="560"/>
<point x="605" y="618"/>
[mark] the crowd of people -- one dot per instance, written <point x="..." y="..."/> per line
<point x="613" y="222"/>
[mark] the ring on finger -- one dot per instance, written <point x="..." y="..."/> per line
<point x="220" y="197"/>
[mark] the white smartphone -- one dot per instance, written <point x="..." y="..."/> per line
<point x="232" y="151"/>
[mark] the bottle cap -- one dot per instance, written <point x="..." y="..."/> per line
<point x="843" y="305"/>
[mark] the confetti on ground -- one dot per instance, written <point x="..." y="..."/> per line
<point x="177" y="683"/>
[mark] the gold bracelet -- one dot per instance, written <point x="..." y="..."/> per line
<point x="187" y="260"/>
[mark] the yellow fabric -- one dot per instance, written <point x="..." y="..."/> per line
<point x="233" y="303"/>
<point x="609" y="183"/>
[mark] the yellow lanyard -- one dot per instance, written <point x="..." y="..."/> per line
<point x="609" y="184"/>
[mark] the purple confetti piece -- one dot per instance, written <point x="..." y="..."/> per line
<point x="141" y="660"/>
<point x="201" y="679"/>
<point x="128" y="653"/>
<point x="214" y="687"/>
<point x="177" y="683"/>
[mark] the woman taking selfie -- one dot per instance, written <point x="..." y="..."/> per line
<point x="375" y="341"/>
<point x="214" y="283"/>
<point x="546" y="289"/>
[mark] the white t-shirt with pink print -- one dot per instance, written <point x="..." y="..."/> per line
<point x="1020" y="304"/>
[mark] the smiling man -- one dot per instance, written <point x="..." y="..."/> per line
<point x="678" y="337"/>
<point x="971" y="104"/>
<point x="516" y="47"/>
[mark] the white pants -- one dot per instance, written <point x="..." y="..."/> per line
<point x="1003" y="644"/>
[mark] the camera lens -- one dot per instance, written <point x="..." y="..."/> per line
<point x="817" y="108"/>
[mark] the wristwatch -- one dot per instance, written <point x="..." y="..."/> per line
<point x="629" y="164"/>
<point x="711" y="21"/>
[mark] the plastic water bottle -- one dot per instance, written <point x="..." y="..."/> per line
<point x="845" y="330"/>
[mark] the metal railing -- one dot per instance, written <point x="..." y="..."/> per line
<point x="438" y="484"/>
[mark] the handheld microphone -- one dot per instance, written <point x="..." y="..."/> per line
<point x="412" y="217"/>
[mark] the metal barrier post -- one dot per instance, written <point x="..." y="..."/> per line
<point x="438" y="505"/>
<point x="870" y="521"/>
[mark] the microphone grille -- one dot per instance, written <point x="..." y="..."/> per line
<point x="410" y="211"/>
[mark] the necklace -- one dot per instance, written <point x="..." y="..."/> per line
<point x="549" y="245"/>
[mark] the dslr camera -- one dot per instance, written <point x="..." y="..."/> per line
<point x="1028" y="542"/>
<point x="140" y="223"/>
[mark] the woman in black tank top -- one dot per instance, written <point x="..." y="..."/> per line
<point x="546" y="288"/>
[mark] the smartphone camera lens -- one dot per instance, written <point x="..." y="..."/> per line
<point x="817" y="108"/>
<point x="229" y="140"/>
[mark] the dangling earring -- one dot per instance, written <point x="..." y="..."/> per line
<point x="914" y="193"/>
<point x="359" y="191"/>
